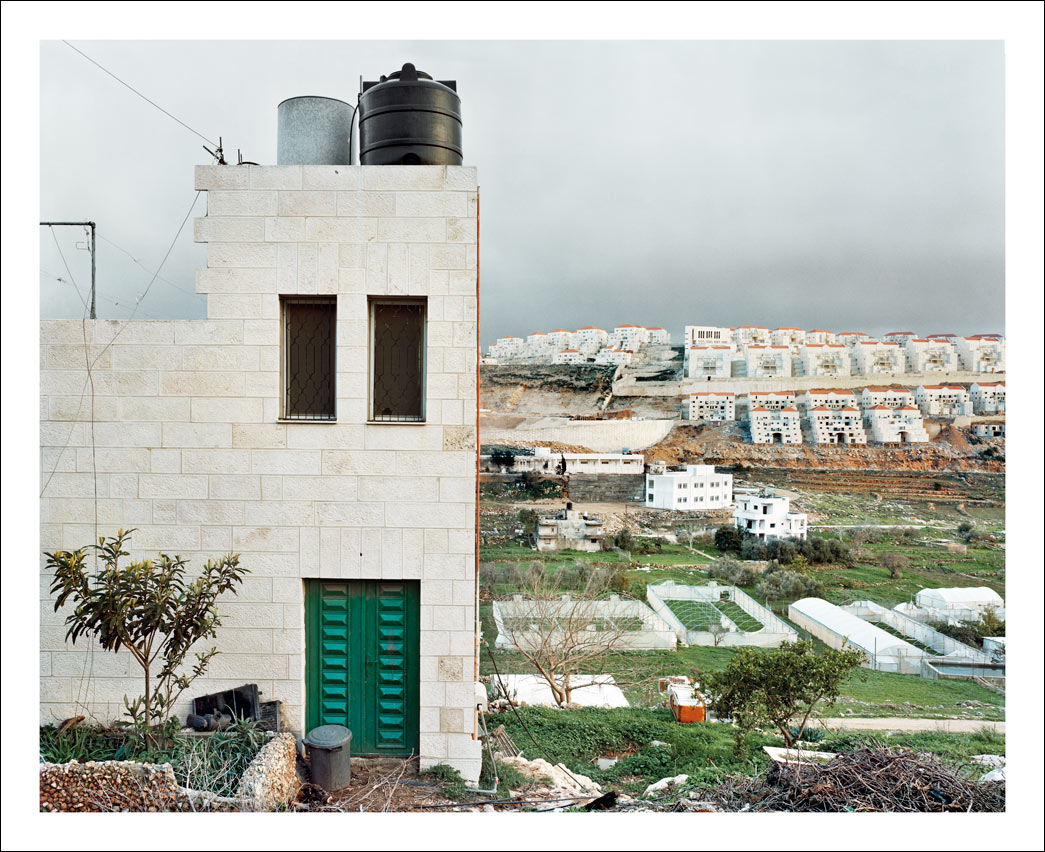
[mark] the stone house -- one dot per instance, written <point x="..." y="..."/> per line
<point x="320" y="422"/>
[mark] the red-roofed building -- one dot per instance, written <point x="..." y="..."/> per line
<point x="837" y="426"/>
<point x="824" y="359"/>
<point x="943" y="400"/>
<point x="988" y="397"/>
<point x="775" y="427"/>
<point x="712" y="406"/>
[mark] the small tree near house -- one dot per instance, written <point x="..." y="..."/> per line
<point x="150" y="608"/>
<point x="564" y="635"/>
<point x="782" y="687"/>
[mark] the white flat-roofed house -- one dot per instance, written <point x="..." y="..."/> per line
<point x="775" y="427"/>
<point x="569" y="356"/>
<point x="943" y="400"/>
<point x="707" y="335"/>
<point x="820" y="335"/>
<point x="902" y="425"/>
<point x="981" y="354"/>
<point x="773" y="400"/>
<point x="713" y="407"/>
<point x="765" y="362"/>
<point x="629" y="336"/>
<point x="709" y="362"/>
<point x="767" y="516"/>
<point x="833" y="398"/>
<point x="890" y="397"/>
<point x="837" y="426"/>
<point x="697" y="488"/>
<point x="545" y="461"/>
<point x="591" y="339"/>
<point x="987" y="397"/>
<point x="658" y="336"/>
<point x="612" y="355"/>
<point x="878" y="357"/>
<point x="925" y="355"/>
<point x="745" y="335"/>
<point x="569" y="529"/>
<point x="825" y="359"/>
<point x="989" y="429"/>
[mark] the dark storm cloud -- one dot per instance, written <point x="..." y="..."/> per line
<point x="847" y="185"/>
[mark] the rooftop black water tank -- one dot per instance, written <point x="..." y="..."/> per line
<point x="407" y="118"/>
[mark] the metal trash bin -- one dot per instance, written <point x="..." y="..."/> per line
<point x="330" y="756"/>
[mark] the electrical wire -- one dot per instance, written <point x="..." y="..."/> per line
<point x="143" y="266"/>
<point x="137" y="305"/>
<point x="139" y="94"/>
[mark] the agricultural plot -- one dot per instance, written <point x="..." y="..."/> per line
<point x="696" y="615"/>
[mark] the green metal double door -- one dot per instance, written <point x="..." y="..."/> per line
<point x="362" y="649"/>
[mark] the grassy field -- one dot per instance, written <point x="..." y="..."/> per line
<point x="705" y="752"/>
<point x="866" y="693"/>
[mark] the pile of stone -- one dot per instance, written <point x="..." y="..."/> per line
<point x="110" y="785"/>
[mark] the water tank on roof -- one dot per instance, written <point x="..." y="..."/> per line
<point x="407" y="118"/>
<point x="313" y="131"/>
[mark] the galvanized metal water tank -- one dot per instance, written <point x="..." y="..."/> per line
<point x="313" y="131"/>
<point x="407" y="118"/>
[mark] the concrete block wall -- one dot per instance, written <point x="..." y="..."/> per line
<point x="189" y="448"/>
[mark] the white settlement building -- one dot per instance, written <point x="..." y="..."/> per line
<point x="824" y="359"/>
<point x="775" y="427"/>
<point x="837" y="425"/>
<point x="746" y="335"/>
<point x="901" y="425"/>
<point x="943" y="400"/>
<point x="766" y="516"/>
<point x="925" y="355"/>
<point x="658" y="336"/>
<point x="981" y="353"/>
<point x="788" y="335"/>
<point x="773" y="400"/>
<point x="878" y="357"/>
<point x="569" y="356"/>
<point x="849" y="338"/>
<point x="890" y="397"/>
<point x="988" y="397"/>
<point x="697" y="488"/>
<point x="833" y="398"/>
<point x="765" y="362"/>
<point x="629" y="337"/>
<point x="820" y="335"/>
<point x="320" y="422"/>
<point x="707" y="335"/>
<point x="611" y="355"/>
<point x="709" y="362"/>
<point x="713" y="407"/>
<point x="591" y="339"/>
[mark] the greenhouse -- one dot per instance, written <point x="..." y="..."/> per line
<point x="972" y="597"/>
<point x="837" y="628"/>
<point x="717" y="615"/>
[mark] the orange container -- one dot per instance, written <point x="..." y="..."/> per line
<point x="687" y="705"/>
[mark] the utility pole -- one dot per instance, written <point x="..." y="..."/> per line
<point x="91" y="225"/>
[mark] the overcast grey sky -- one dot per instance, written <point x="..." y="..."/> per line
<point x="844" y="185"/>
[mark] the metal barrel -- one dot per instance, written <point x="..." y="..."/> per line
<point x="313" y="131"/>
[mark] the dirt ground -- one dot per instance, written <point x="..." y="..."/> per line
<point x="377" y="786"/>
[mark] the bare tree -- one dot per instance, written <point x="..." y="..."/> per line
<point x="562" y="632"/>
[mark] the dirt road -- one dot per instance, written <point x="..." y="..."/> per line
<point x="902" y="723"/>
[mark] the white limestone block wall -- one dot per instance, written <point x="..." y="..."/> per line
<point x="189" y="447"/>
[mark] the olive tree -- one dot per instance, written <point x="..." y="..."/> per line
<point x="780" y="687"/>
<point x="151" y="608"/>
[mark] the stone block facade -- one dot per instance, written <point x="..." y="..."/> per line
<point x="189" y="447"/>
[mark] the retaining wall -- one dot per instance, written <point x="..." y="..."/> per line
<point x="600" y="436"/>
<point x="269" y="782"/>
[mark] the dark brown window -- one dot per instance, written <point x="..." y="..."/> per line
<point x="397" y="360"/>
<point x="308" y="363"/>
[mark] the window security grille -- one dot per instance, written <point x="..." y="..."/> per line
<point x="397" y="360"/>
<point x="309" y="347"/>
